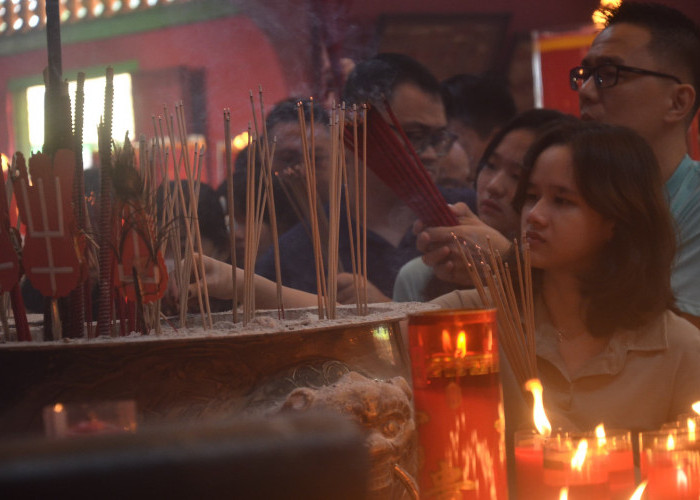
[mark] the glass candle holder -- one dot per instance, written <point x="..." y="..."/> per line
<point x="670" y="462"/>
<point x="99" y="417"/>
<point x="620" y="459"/>
<point x="529" y="462"/>
<point x="459" y="409"/>
<point x="576" y="462"/>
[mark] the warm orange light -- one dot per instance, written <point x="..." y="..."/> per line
<point x="600" y="435"/>
<point x="446" y="341"/>
<point x="240" y="141"/>
<point x="461" y="351"/>
<point x="542" y="424"/>
<point x="670" y="443"/>
<point x="579" y="457"/>
<point x="57" y="408"/>
<point x="681" y="480"/>
<point x="637" y="495"/>
<point x="564" y="493"/>
<point x="696" y="407"/>
<point x="691" y="429"/>
<point x="598" y="16"/>
<point x="4" y="162"/>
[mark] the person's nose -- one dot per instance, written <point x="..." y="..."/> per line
<point x="428" y="156"/>
<point x="588" y="91"/>
<point x="496" y="185"/>
<point x="536" y="215"/>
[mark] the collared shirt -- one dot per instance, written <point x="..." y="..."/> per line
<point x="642" y="379"/>
<point x="683" y="192"/>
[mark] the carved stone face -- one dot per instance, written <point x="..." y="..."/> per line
<point x="383" y="408"/>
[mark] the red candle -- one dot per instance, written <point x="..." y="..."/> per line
<point x="578" y="463"/>
<point x="457" y="396"/>
<point x="529" y="480"/>
<point x="617" y="443"/>
<point x="670" y="461"/>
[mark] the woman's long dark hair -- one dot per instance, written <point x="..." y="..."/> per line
<point x="618" y="176"/>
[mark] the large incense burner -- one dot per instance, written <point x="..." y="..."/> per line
<point x="355" y="365"/>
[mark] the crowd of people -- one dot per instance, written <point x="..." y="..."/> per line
<point x="609" y="204"/>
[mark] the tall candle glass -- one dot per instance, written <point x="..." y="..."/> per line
<point x="459" y="409"/>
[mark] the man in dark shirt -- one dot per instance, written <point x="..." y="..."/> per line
<point x="414" y="96"/>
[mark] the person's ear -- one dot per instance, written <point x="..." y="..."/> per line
<point x="682" y="102"/>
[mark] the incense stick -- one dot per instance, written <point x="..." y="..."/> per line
<point x="230" y="206"/>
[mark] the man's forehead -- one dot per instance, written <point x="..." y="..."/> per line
<point x="620" y="43"/>
<point x="416" y="107"/>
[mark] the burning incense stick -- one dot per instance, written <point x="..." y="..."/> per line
<point x="230" y="206"/>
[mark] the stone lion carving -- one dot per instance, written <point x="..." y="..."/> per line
<point x="382" y="407"/>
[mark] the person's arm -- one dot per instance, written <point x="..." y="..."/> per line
<point x="220" y="285"/>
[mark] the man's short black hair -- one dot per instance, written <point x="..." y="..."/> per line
<point x="674" y="36"/>
<point x="286" y="112"/>
<point x="481" y="102"/>
<point x="374" y="79"/>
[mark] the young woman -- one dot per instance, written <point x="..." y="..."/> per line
<point x="609" y="348"/>
<point x="496" y="182"/>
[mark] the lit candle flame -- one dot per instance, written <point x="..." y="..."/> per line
<point x="461" y="351"/>
<point x="600" y="435"/>
<point x="57" y="408"/>
<point x="696" y="407"/>
<point x="446" y="341"/>
<point x="564" y="493"/>
<point x="579" y="457"/>
<point x="637" y="495"/>
<point x="544" y="428"/>
<point x="691" y="429"/>
<point x="681" y="480"/>
<point x="670" y="443"/>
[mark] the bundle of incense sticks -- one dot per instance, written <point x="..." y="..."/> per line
<point x="259" y="197"/>
<point x="392" y="158"/>
<point x="309" y="155"/>
<point x="516" y="316"/>
<point x="175" y="207"/>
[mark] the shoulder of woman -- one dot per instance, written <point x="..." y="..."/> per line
<point x="681" y="332"/>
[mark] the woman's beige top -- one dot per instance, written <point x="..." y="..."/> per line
<point x="644" y="378"/>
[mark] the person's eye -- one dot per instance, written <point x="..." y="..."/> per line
<point x="531" y="197"/>
<point x="560" y="200"/>
<point x="488" y="165"/>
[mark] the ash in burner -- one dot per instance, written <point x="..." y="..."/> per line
<point x="381" y="407"/>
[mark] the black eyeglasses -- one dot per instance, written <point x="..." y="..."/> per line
<point x="605" y="75"/>
<point x="440" y="140"/>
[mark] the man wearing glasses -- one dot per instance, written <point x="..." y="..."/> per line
<point x="414" y="96"/>
<point x="643" y="71"/>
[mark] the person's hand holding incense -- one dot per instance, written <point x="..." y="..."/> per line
<point x="440" y="249"/>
